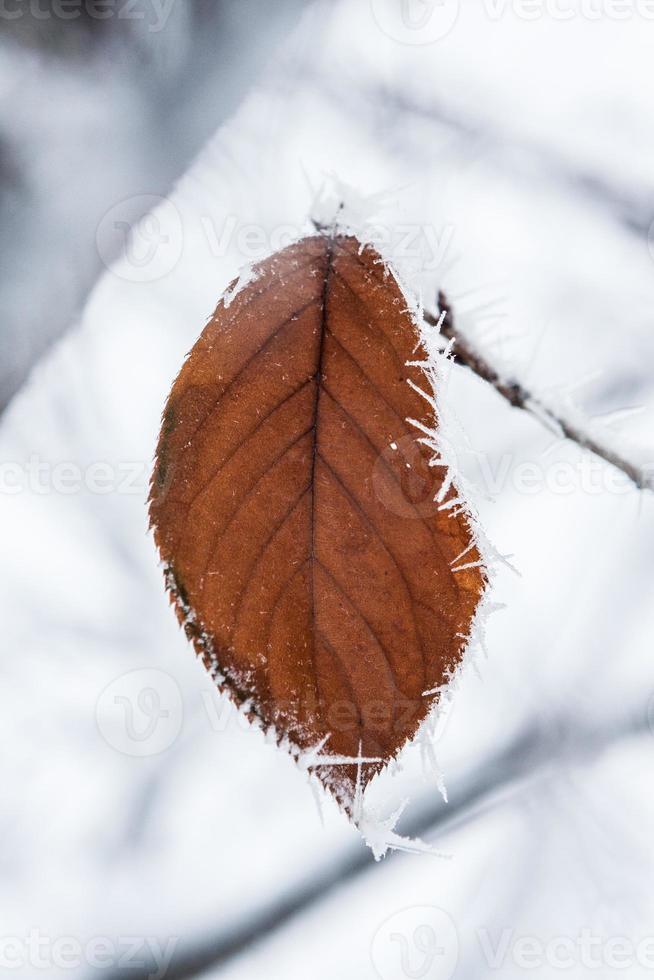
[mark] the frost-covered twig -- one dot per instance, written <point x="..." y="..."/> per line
<point x="464" y="352"/>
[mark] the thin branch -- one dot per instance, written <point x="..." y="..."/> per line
<point x="517" y="395"/>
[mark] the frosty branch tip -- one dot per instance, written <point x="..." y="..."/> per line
<point x="464" y="352"/>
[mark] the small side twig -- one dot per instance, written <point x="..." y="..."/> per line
<point x="517" y="395"/>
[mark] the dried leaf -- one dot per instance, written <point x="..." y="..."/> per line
<point x="293" y="507"/>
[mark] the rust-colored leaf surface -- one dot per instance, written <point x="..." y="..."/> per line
<point x="293" y="508"/>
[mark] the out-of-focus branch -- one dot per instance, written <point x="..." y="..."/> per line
<point x="629" y="203"/>
<point x="529" y="758"/>
<point x="465" y="353"/>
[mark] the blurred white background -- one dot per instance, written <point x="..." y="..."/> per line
<point x="510" y="157"/>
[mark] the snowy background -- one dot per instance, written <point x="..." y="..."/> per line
<point x="508" y="152"/>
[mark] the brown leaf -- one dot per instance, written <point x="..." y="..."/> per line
<point x="293" y="508"/>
